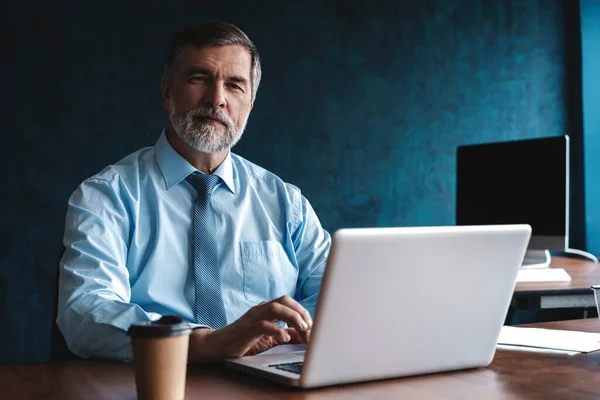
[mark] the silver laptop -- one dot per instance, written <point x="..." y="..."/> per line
<point x="404" y="301"/>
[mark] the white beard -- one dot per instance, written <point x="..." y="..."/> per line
<point x="205" y="137"/>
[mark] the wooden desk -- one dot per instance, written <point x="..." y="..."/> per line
<point x="512" y="375"/>
<point x="576" y="293"/>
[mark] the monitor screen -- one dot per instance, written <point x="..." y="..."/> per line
<point x="524" y="181"/>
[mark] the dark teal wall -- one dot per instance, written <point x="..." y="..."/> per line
<point x="590" y="56"/>
<point x="362" y="106"/>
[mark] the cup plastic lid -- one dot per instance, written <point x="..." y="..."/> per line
<point x="169" y="325"/>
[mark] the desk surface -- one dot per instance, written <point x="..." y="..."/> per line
<point x="512" y="375"/>
<point x="583" y="274"/>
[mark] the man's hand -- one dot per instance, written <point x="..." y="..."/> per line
<point x="253" y="332"/>
<point x="267" y="342"/>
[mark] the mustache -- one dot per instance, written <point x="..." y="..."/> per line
<point x="213" y="113"/>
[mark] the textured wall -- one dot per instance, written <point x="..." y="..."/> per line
<point x="590" y="47"/>
<point x="362" y="106"/>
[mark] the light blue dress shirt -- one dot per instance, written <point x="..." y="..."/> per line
<point x="128" y="246"/>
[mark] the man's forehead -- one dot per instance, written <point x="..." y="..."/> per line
<point x="231" y="58"/>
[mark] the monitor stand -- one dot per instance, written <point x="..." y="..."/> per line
<point x="536" y="259"/>
<point x="582" y="253"/>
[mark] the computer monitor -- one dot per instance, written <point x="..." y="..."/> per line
<point x="517" y="182"/>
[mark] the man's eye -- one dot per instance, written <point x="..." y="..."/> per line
<point x="234" y="86"/>
<point x="198" y="79"/>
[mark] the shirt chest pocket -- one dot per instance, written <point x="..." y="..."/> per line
<point x="268" y="272"/>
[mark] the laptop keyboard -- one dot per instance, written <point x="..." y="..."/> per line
<point x="295" y="367"/>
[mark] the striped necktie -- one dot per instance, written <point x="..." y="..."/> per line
<point x="208" y="309"/>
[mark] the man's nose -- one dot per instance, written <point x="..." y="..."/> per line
<point x="215" y="96"/>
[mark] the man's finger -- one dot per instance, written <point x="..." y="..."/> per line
<point x="263" y="344"/>
<point x="306" y="335"/>
<point x="276" y="311"/>
<point x="298" y="337"/>
<point x="271" y="329"/>
<point x="294" y="305"/>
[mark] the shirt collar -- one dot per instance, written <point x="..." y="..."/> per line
<point x="175" y="168"/>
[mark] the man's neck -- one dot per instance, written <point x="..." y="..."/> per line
<point x="204" y="162"/>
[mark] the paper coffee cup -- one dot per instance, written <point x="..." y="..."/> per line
<point x="160" y="352"/>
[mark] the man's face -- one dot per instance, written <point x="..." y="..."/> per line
<point x="209" y="96"/>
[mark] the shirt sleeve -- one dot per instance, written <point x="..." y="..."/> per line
<point x="311" y="244"/>
<point x="94" y="309"/>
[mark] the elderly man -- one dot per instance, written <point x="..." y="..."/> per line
<point x="187" y="227"/>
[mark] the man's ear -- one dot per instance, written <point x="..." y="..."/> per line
<point x="165" y="91"/>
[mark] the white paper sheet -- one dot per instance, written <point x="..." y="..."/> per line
<point x="543" y="275"/>
<point x="583" y="342"/>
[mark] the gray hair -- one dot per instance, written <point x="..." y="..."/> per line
<point x="212" y="33"/>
